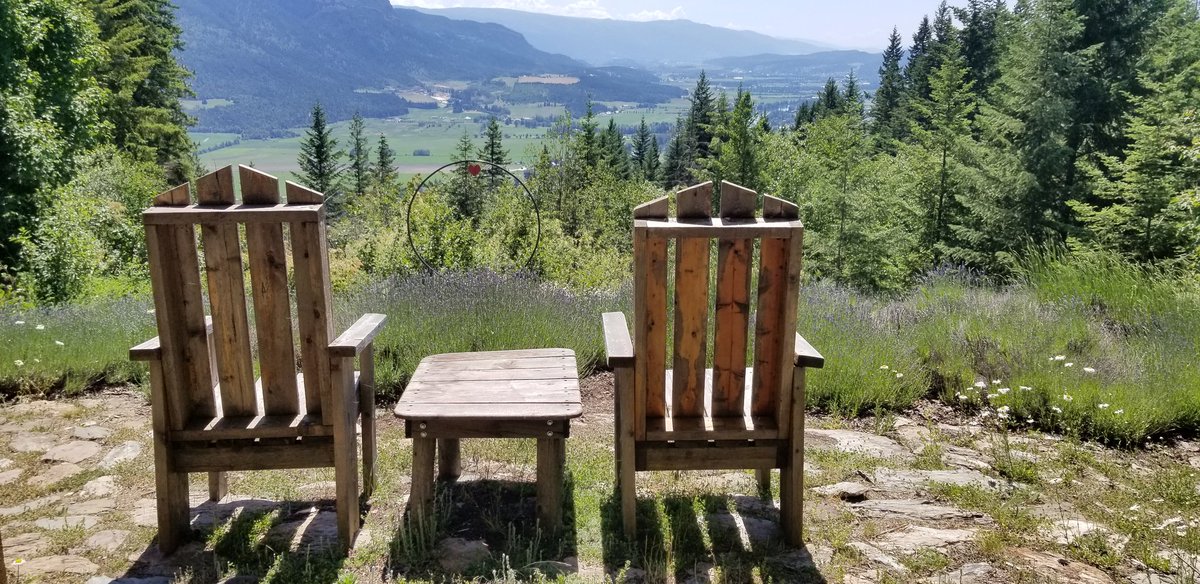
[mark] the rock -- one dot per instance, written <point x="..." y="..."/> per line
<point x="978" y="573"/>
<point x="877" y="556"/>
<point x="456" y="555"/>
<point x="145" y="513"/>
<point x="9" y="476"/>
<point x="33" y="442"/>
<point x="43" y="407"/>
<point x="913" y="435"/>
<point x="916" y="480"/>
<point x="109" y="540"/>
<point x="964" y="458"/>
<point x="750" y="530"/>
<point x="29" y="505"/>
<point x="58" y="564"/>
<point x="307" y="529"/>
<point x="69" y="521"/>
<point x="326" y="489"/>
<point x="1057" y="568"/>
<point x="811" y="557"/>
<point x="910" y="508"/>
<point x="1066" y="531"/>
<point x="56" y="473"/>
<point x="74" y="452"/>
<point x="1184" y="565"/>
<point x="99" y="487"/>
<point x="26" y="545"/>
<point x="915" y="537"/>
<point x="701" y="573"/>
<point x="852" y="441"/>
<point x="124" y="451"/>
<point x="846" y="491"/>
<point x="5" y="462"/>
<point x="93" y="507"/>
<point x="91" y="433"/>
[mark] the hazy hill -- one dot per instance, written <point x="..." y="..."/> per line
<point x="274" y="58"/>
<point x="825" y="64"/>
<point x="657" y="42"/>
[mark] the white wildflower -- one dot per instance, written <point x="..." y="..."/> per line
<point x="1103" y="406"/>
<point x="980" y="384"/>
<point x="1002" y="416"/>
<point x="1002" y="409"/>
<point x="883" y="366"/>
<point x="151" y="311"/>
<point x="1056" y="409"/>
<point x="984" y="414"/>
<point x="1029" y="421"/>
<point x="1003" y="390"/>
<point x="1059" y="358"/>
<point x="1088" y="370"/>
<point x="59" y="343"/>
<point x="993" y="395"/>
<point x="1068" y="365"/>
<point x="962" y="397"/>
<point x="995" y="382"/>
<point x="1026" y="388"/>
<point x="1134" y="507"/>
<point x="19" y="363"/>
<point x="40" y="327"/>
<point x="19" y="322"/>
<point x="899" y="375"/>
<point x="36" y="360"/>
<point x="1067" y="397"/>
<point x="1120" y="411"/>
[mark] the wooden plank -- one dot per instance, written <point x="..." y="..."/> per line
<point x="655" y="209"/>
<point x="730" y="329"/>
<point x="791" y="473"/>
<point x="500" y="365"/>
<point x="625" y="449"/>
<point x="776" y="209"/>
<point x="449" y="466"/>
<point x="513" y="402"/>
<point x="227" y="298"/>
<point x="468" y="373"/>
<point x="719" y="228"/>
<point x="768" y="338"/>
<point x="178" y="196"/>
<point x="551" y="458"/>
<point x="618" y="347"/>
<point x="806" y="355"/>
<point x="650" y="327"/>
<point x="251" y="427"/>
<point x="366" y="408"/>
<point x="486" y="428"/>
<point x="420" y="491"/>
<point x="298" y="194"/>
<point x="712" y="428"/>
<point x="314" y="452"/>
<point x="345" y="448"/>
<point x="539" y="411"/>
<point x="358" y="336"/>
<point x="511" y="355"/>
<point x="787" y="331"/>
<point x="714" y="457"/>
<point x="314" y="312"/>
<point x="171" y="487"/>
<point x="227" y="214"/>
<point x="218" y="485"/>
<point x="691" y="305"/>
<point x="272" y="301"/>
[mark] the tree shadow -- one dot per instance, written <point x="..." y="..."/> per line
<point x="267" y="541"/>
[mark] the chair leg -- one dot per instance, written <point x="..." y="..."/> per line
<point x="449" y="459"/>
<point x="763" y="476"/>
<point x="791" y="474"/>
<point x="551" y="456"/>
<point x="366" y="404"/>
<point x="420" y="497"/>
<point x="173" y="509"/>
<point x="218" y="486"/>
<point x="345" y="450"/>
<point x="626" y="452"/>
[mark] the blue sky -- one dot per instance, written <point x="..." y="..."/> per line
<point x="843" y="23"/>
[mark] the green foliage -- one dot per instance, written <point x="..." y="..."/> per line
<point x="889" y="125"/>
<point x="360" y="156"/>
<point x="493" y="151"/>
<point x="383" y="170"/>
<point x="736" y="146"/>
<point x="320" y="161"/>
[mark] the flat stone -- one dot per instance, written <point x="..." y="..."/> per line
<point x="1057" y="568"/>
<point x="25" y="545"/>
<point x="456" y="555"/>
<point x="887" y="478"/>
<point x="91" y="433"/>
<point x="910" y="508"/>
<point x="74" y="452"/>
<point x="977" y="573"/>
<point x="847" y="491"/>
<point x="964" y="458"/>
<point x="56" y="473"/>
<point x="124" y="451"/>
<point x="757" y="532"/>
<point x="1185" y="566"/>
<point x="107" y="580"/>
<point x="145" y="513"/>
<point x="33" y="442"/>
<point x="70" y="521"/>
<point x="915" y="537"/>
<point x="29" y="505"/>
<point x="306" y="530"/>
<point x="109" y="540"/>
<point x="43" y="407"/>
<point x="859" y="442"/>
<point x="878" y="556"/>
<point x="5" y="462"/>
<point x="93" y="507"/>
<point x="811" y="557"/>
<point x="58" y="564"/>
<point x="99" y="487"/>
<point x="9" y="476"/>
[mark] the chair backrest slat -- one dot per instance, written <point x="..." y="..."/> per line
<point x="691" y="305"/>
<point x="272" y="304"/>
<point x="179" y="313"/>
<point x="650" y="319"/>
<point x="734" y="259"/>
<point x="774" y="331"/>
<point x="227" y="299"/>
<point x="314" y="310"/>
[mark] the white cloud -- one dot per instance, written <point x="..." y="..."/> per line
<point x="674" y="14"/>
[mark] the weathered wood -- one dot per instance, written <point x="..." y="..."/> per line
<point x="438" y="372"/>
<point x="691" y="305"/>
<point x="768" y="338"/>
<point x="517" y="355"/>
<point x="712" y="428"/>
<point x="314" y="310"/>
<point x="178" y="196"/>
<point x="501" y="364"/>
<point x="718" y="228"/>
<point x="313" y="452"/>
<point x="791" y="473"/>
<point x="272" y="302"/>
<point x="732" y="306"/>
<point x="227" y="297"/>
<point x="787" y="332"/>
<point x="652" y="457"/>
<point x="251" y="427"/>
<point x="806" y="355"/>
<point x="230" y="214"/>
<point x="218" y="485"/>
<point x="618" y="347"/>
<point x="776" y="209"/>
<point x="420" y="493"/>
<point x="171" y="486"/>
<point x="345" y="449"/>
<point x="507" y="392"/>
<point x="298" y="194"/>
<point x="650" y="327"/>
<point x="486" y="428"/>
<point x="551" y="457"/>
<point x="655" y="209"/>
<point x="358" y="336"/>
<point x="449" y="452"/>
<point x="366" y="408"/>
<point x="625" y="449"/>
<point x="151" y="349"/>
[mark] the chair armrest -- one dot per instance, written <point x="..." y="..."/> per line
<point x="358" y="336"/>
<point x="806" y="355"/>
<point x="618" y="347"/>
<point x="151" y="350"/>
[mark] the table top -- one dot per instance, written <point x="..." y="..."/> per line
<point x="530" y="384"/>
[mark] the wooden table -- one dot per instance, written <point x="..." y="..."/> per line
<point x="496" y="394"/>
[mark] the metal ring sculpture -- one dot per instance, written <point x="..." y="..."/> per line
<point x="536" y="210"/>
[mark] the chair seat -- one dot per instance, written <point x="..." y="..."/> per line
<point x="708" y="426"/>
<point x="258" y="426"/>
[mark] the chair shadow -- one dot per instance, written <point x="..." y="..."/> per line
<point x="503" y="514"/>
<point x="291" y="541"/>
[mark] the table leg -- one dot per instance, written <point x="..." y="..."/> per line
<point x="449" y="460"/>
<point x="551" y="456"/>
<point x="420" y="498"/>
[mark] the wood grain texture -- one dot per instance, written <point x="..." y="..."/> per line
<point x="691" y="305"/>
<point x="806" y="355"/>
<point x="449" y="465"/>
<point x="707" y="457"/>
<point x="356" y="338"/>
<point x="460" y="427"/>
<point x="315" y="452"/>
<point x="625" y="449"/>
<point x="718" y="228"/>
<point x="618" y="346"/>
<point x="730" y="329"/>
<point x="314" y="311"/>
<point x="232" y="213"/>
<point x="551" y="459"/>
<point x="791" y="474"/>
<point x="650" y="327"/>
<point x="272" y="301"/>
<point x="345" y="449"/>
<point x="366" y="409"/>
<point x="768" y="336"/>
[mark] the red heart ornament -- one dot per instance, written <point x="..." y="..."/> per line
<point x="473" y="169"/>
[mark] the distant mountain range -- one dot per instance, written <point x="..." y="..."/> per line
<point x="827" y="64"/>
<point x="621" y="42"/>
<point x="275" y="58"/>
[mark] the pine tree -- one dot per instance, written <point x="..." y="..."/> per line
<point x="735" y="148"/>
<point x="805" y="114"/>
<point x="887" y="116"/>
<point x="651" y="166"/>
<point x="360" y="156"/>
<point x="852" y="96"/>
<point x="465" y="191"/>
<point x="829" y="102"/>
<point x="493" y="151"/>
<point x="918" y="68"/>
<point x="384" y="169"/>
<point x="677" y="166"/>
<point x="320" y="161"/>
<point x="700" y="122"/>
<point x="588" y="141"/>
<point x="981" y="42"/>
<point x="612" y="145"/>
<point x="643" y="150"/>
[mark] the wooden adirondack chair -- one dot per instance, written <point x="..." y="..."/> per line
<point x="728" y="417"/>
<point x="209" y="413"/>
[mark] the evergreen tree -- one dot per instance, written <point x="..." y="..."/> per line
<point x="320" y="161"/>
<point x="384" y="169"/>
<point x="700" y="122"/>
<point x="919" y="66"/>
<point x="981" y="42"/>
<point x="360" y="156"/>
<point x="644" y="151"/>
<point x="145" y="83"/>
<point x="677" y="166"/>
<point x="735" y="148"/>
<point x="805" y="114"/>
<point x="852" y="96"/>
<point x="612" y="145"/>
<point x="888" y="121"/>
<point x="465" y="191"/>
<point x="651" y="165"/>
<point x="830" y="101"/>
<point x="588" y="141"/>
<point x="493" y="151"/>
